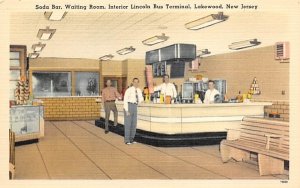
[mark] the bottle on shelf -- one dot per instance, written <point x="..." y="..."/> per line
<point x="239" y="97"/>
<point x="161" y="98"/>
<point x="249" y="95"/>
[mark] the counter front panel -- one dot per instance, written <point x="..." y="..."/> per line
<point x="191" y="118"/>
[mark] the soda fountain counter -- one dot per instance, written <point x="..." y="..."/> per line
<point x="187" y="124"/>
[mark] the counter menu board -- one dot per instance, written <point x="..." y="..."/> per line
<point x="25" y="119"/>
<point x="177" y="70"/>
<point x="159" y="69"/>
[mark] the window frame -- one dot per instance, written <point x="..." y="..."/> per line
<point x="73" y="78"/>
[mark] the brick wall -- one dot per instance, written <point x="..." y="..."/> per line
<point x="71" y="108"/>
<point x="278" y="111"/>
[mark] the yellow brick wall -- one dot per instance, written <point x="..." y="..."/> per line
<point x="280" y="108"/>
<point x="71" y="108"/>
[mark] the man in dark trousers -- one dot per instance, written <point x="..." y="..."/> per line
<point x="133" y="96"/>
<point x="109" y="96"/>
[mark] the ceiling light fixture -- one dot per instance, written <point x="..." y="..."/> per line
<point x="203" y="52"/>
<point x="206" y="21"/>
<point x="55" y="15"/>
<point x="38" y="47"/>
<point x="125" y="51"/>
<point x="106" y="57"/>
<point x="244" y="44"/>
<point x="46" y="34"/>
<point x="156" y="39"/>
<point x="33" y="55"/>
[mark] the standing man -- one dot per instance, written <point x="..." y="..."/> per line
<point x="211" y="93"/>
<point x="167" y="88"/>
<point x="133" y="96"/>
<point x="109" y="96"/>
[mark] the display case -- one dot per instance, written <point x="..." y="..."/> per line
<point x="27" y="122"/>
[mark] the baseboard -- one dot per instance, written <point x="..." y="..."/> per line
<point x="166" y="140"/>
<point x="32" y="141"/>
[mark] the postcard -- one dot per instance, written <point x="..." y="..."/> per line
<point x="149" y="93"/>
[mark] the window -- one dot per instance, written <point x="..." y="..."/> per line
<point x="14" y="55"/>
<point x="87" y="83"/>
<point x="14" y="59"/>
<point x="14" y="63"/>
<point x="51" y="84"/>
<point x="15" y="74"/>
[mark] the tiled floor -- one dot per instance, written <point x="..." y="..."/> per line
<point x="80" y="150"/>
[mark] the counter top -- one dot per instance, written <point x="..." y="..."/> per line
<point x="192" y="105"/>
<point x="68" y="97"/>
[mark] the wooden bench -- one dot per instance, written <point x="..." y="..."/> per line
<point x="268" y="138"/>
<point x="11" y="154"/>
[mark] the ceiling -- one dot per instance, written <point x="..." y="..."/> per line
<point x="94" y="34"/>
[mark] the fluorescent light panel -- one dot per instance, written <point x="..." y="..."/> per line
<point x="155" y="40"/>
<point x="34" y="55"/>
<point x="55" y="15"/>
<point x="125" y="51"/>
<point x="203" y="52"/>
<point x="244" y="44"/>
<point x="206" y="21"/>
<point x="106" y="57"/>
<point x="38" y="47"/>
<point x="46" y="34"/>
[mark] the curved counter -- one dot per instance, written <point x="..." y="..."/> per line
<point x="191" y="118"/>
<point x="181" y="123"/>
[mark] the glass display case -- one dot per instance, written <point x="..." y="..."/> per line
<point x="27" y="122"/>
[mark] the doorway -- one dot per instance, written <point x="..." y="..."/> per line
<point x="119" y="82"/>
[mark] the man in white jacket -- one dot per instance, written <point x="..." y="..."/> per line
<point x="167" y="88"/>
<point x="211" y="93"/>
<point x="133" y="96"/>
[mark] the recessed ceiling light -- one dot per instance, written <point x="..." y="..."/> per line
<point x="38" y="47"/>
<point x="106" y="57"/>
<point x="155" y="40"/>
<point x="55" y="15"/>
<point x="206" y="21"/>
<point x="46" y="34"/>
<point x="126" y="50"/>
<point x="33" y="55"/>
<point x="244" y="44"/>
